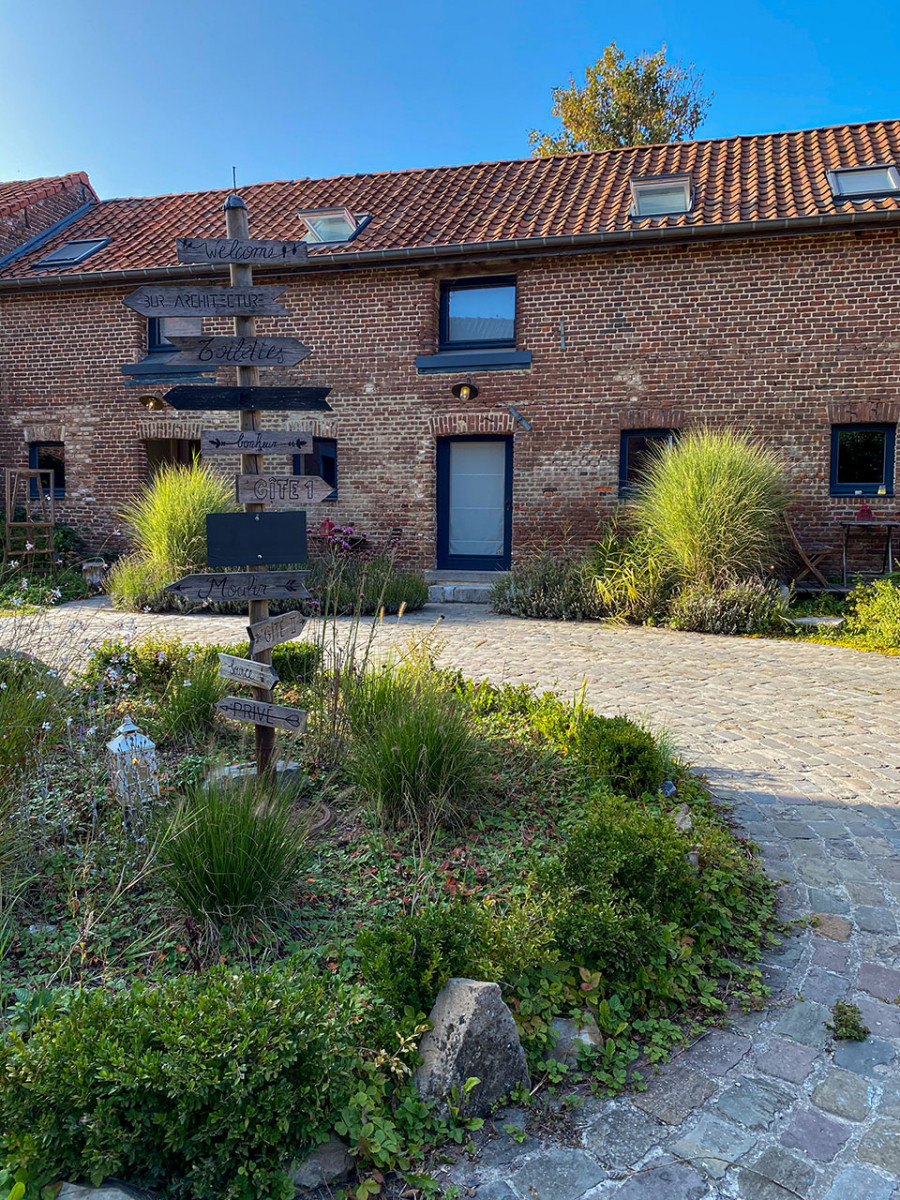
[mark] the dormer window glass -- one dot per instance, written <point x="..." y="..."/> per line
<point x="865" y="181"/>
<point x="661" y="196"/>
<point x="328" y="225"/>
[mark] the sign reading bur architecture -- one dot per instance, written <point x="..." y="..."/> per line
<point x="207" y="302"/>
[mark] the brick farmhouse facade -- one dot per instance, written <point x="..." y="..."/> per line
<point x="769" y="303"/>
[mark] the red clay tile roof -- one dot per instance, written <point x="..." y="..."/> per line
<point x="22" y="192"/>
<point x="770" y="177"/>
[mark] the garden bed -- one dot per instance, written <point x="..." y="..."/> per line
<point x="166" y="983"/>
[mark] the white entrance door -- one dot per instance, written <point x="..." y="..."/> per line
<point x="476" y="503"/>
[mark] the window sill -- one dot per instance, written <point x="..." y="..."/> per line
<point x="448" y="362"/>
<point x="154" y="368"/>
<point x="859" y="492"/>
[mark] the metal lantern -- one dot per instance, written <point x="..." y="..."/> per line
<point x="133" y="766"/>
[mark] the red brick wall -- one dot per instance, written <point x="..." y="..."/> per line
<point x="779" y="337"/>
<point x="21" y="226"/>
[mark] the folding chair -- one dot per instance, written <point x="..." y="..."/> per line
<point x="809" y="558"/>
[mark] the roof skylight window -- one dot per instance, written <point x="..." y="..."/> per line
<point x="71" y="253"/>
<point x="328" y="224"/>
<point x="661" y="196"/>
<point x="865" y="181"/>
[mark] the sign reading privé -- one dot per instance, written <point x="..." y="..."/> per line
<point x="292" y="491"/>
<point x="242" y="670"/>
<point x="213" y="398"/>
<point x="255" y="538"/>
<point x="257" y="712"/>
<point x="255" y="441"/>
<point x="265" y="635"/>
<point x="215" y="352"/>
<point x="242" y="585"/>
<point x="207" y="302"/>
<point x="239" y="250"/>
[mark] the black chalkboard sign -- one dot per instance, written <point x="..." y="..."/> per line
<point x="255" y="539"/>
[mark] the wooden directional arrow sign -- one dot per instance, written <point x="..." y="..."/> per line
<point x="257" y="712"/>
<point x="242" y="585"/>
<point x="240" y="250"/>
<point x="250" y="539"/>
<point x="288" y="491"/>
<point x="215" y="352"/>
<point x="264" y="635"/>
<point x="255" y="441"/>
<point x="263" y="399"/>
<point x="244" y="671"/>
<point x="207" y="302"/>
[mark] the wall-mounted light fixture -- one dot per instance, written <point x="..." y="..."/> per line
<point x="465" y="391"/>
<point x="153" y="403"/>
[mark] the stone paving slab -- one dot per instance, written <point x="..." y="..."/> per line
<point x="803" y="740"/>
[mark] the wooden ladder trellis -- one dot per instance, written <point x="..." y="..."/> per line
<point x="32" y="492"/>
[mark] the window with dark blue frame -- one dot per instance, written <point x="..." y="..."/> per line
<point x="478" y="313"/>
<point x="156" y="337"/>
<point x="862" y="460"/>
<point x="636" y="450"/>
<point x="322" y="462"/>
<point x="48" y="456"/>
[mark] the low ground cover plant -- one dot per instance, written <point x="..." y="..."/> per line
<point x="219" y="988"/>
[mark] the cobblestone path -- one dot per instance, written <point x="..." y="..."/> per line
<point x="804" y="740"/>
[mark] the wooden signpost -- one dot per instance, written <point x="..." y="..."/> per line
<point x="207" y="301"/>
<point x="242" y="585"/>
<point x="275" y="631"/>
<point x="263" y="714"/>
<point x="255" y="441"/>
<point x="231" y="399"/>
<point x="239" y="249"/>
<point x="243" y="670"/>
<point x="215" y="352"/>
<point x="290" y="491"/>
<point x="255" y="539"/>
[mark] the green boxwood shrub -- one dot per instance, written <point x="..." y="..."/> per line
<point x="204" y="1086"/>
<point x="875" y="613"/>
<point x="616" y="750"/>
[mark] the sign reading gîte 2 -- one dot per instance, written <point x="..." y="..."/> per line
<point x="240" y="250"/>
<point x="214" y="352"/>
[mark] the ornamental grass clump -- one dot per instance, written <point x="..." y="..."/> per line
<point x="713" y="506"/>
<point x="232" y="855"/>
<point x="414" y="752"/>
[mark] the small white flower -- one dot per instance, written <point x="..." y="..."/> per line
<point x="46" y="725"/>
<point x="40" y="695"/>
<point x="2" y="687"/>
<point x="117" y="533"/>
<point x="29" y="545"/>
<point x="14" y="563"/>
<point x="93" y="729"/>
<point x="146" y="608"/>
<point x="187" y="683"/>
<point x="69" y="721"/>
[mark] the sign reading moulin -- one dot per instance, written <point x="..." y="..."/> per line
<point x="253" y="536"/>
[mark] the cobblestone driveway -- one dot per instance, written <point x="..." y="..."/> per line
<point x="804" y="740"/>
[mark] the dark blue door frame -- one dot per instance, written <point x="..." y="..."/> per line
<point x="469" y="562"/>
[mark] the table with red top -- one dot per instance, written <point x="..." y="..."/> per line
<point x="887" y="562"/>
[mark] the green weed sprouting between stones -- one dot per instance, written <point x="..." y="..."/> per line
<point x="712" y="504"/>
<point x="233" y="854"/>
<point x="847" y="1022"/>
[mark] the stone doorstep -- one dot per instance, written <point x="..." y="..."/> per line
<point x="459" y="593"/>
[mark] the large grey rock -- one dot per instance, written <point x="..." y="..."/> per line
<point x="473" y="1036"/>
<point x="329" y="1161"/>
<point x="572" y="1036"/>
<point x="109" y="1190"/>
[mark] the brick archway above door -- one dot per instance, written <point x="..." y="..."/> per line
<point x="854" y="412"/>
<point x="467" y="424"/>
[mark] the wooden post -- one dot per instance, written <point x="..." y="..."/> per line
<point x="237" y="226"/>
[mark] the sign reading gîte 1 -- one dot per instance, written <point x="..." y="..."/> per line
<point x="265" y="635"/>
<point x="286" y="490"/>
<point x="242" y="585"/>
<point x="240" y="250"/>
<point x="208" y="302"/>
<point x="258" y="712"/>
<point x="215" y="352"/>
<point x="242" y="670"/>
<point x="255" y="441"/>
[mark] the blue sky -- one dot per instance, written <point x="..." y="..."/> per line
<point x="167" y="96"/>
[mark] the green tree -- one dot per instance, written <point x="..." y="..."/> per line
<point x="625" y="102"/>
